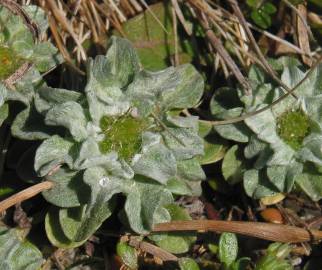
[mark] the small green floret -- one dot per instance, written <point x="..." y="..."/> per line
<point x="122" y="134"/>
<point x="9" y="62"/>
<point x="293" y="127"/>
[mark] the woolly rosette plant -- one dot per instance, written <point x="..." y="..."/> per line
<point x="284" y="141"/>
<point x="124" y="135"/>
<point x="23" y="56"/>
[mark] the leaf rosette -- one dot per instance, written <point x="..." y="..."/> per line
<point x="284" y="141"/>
<point x="22" y="53"/>
<point x="124" y="135"/>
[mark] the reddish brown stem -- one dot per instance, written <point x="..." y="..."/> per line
<point x="267" y="231"/>
<point x="25" y="195"/>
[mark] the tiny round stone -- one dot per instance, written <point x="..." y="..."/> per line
<point x="293" y="127"/>
<point x="272" y="215"/>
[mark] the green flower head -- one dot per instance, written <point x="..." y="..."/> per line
<point x="284" y="141"/>
<point x="124" y="135"/>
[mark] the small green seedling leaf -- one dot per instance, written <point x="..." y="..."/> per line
<point x="188" y="264"/>
<point x="128" y="255"/>
<point x="232" y="165"/>
<point x="275" y="258"/>
<point x="228" y="248"/>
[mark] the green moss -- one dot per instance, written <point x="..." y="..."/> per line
<point x="123" y="135"/>
<point x="9" y="62"/>
<point x="293" y="127"/>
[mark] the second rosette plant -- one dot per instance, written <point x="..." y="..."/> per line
<point x="283" y="148"/>
<point x="124" y="135"/>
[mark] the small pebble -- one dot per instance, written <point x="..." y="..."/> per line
<point x="272" y="215"/>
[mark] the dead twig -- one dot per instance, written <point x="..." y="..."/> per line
<point x="217" y="44"/>
<point x="266" y="231"/>
<point x="25" y="195"/>
<point x="152" y="249"/>
<point x="253" y="42"/>
<point x="303" y="34"/>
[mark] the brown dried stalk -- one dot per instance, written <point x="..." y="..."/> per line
<point x="60" y="16"/>
<point x="258" y="51"/>
<point x="25" y="195"/>
<point x="217" y="44"/>
<point x="266" y="231"/>
<point x="152" y="249"/>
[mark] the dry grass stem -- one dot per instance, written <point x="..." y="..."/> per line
<point x="25" y="195"/>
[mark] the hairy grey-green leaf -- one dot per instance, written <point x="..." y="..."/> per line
<point x="26" y="87"/>
<point x="38" y="16"/>
<point x="89" y="155"/>
<point x="254" y="147"/>
<point x="264" y="125"/>
<point x="311" y="150"/>
<point x="97" y="209"/>
<point x="71" y="116"/>
<point x="277" y="175"/>
<point x="16" y="253"/>
<point x="263" y="158"/>
<point x="261" y="94"/>
<point x="191" y="170"/>
<point x="224" y="98"/>
<point x="108" y="75"/>
<point x="235" y="132"/>
<point x="29" y="125"/>
<point x="55" y="233"/>
<point x="184" y="143"/>
<point x="123" y="62"/>
<point x="283" y="177"/>
<point x="101" y="99"/>
<point x="188" y="92"/>
<point x="3" y="93"/>
<point x="177" y="186"/>
<point x="4" y="112"/>
<point x="45" y="56"/>
<point x="69" y="189"/>
<point x="147" y="87"/>
<point x="143" y="201"/>
<point x="284" y="61"/>
<point x="183" y="122"/>
<point x="257" y="74"/>
<point x="311" y="86"/>
<point x="157" y="162"/>
<point x="256" y="184"/>
<point x="283" y="154"/>
<point x="313" y="108"/>
<point x="46" y="97"/>
<point x="52" y="152"/>
<point x="310" y="183"/>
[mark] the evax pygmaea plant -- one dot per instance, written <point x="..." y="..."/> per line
<point x="124" y="135"/>
<point x="284" y="141"/>
<point x="23" y="56"/>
